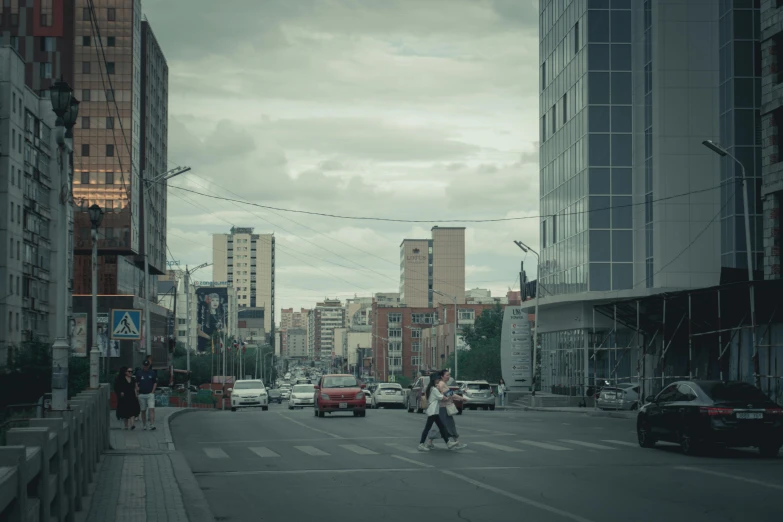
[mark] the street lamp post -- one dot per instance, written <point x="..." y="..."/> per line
<point x="66" y="108"/>
<point x="714" y="147"/>
<point x="456" y="323"/>
<point x="96" y="217"/>
<point x="527" y="249"/>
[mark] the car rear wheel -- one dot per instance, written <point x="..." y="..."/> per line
<point x="362" y="414"/>
<point x="769" y="450"/>
<point x="643" y="435"/>
<point x="290" y="407"/>
<point x="233" y="409"/>
<point x="265" y="408"/>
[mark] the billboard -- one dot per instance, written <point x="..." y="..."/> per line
<point x="212" y="314"/>
<point x="79" y="335"/>
<point x="516" y="349"/>
<point x="108" y="347"/>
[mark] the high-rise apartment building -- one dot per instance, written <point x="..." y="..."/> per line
<point x="290" y="320"/>
<point x="30" y="180"/>
<point x="246" y="261"/>
<point x="632" y="203"/>
<point x="428" y="266"/>
<point x="296" y="343"/>
<point x="323" y="319"/>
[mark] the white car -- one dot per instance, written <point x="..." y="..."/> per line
<point x="301" y="395"/>
<point x="249" y="394"/>
<point x="285" y="392"/>
<point x="388" y="395"/>
<point x="368" y="398"/>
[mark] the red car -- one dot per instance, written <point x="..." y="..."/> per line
<point x="339" y="392"/>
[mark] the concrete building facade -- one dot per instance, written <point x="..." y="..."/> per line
<point x="428" y="266"/>
<point x="325" y="317"/>
<point x="247" y="262"/>
<point x="296" y="343"/>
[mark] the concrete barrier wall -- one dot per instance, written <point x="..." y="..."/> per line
<point x="45" y="469"/>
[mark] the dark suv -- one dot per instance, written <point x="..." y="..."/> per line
<point x="413" y="402"/>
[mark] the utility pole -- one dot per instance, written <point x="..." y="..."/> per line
<point x="187" y="326"/>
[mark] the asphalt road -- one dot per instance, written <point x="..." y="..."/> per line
<point x="283" y="465"/>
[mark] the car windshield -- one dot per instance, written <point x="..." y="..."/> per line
<point x="734" y="391"/>
<point x="477" y="386"/>
<point x="340" y="382"/>
<point x="303" y="389"/>
<point x="248" y="385"/>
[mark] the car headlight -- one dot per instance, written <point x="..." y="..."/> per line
<point x="359" y="395"/>
<point x="325" y="396"/>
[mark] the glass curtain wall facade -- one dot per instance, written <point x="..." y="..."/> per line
<point x="740" y="129"/>
<point x="586" y="146"/>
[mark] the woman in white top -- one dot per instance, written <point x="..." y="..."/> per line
<point x="502" y="392"/>
<point x="434" y="396"/>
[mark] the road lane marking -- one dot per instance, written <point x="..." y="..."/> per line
<point x="733" y="477"/>
<point x="310" y="427"/>
<point x="622" y="443"/>
<point x="333" y="471"/>
<point x="315" y="452"/>
<point x="518" y="498"/>
<point x="498" y="447"/>
<point x="544" y="445"/>
<point x="310" y="439"/>
<point x="358" y="449"/>
<point x="215" y="453"/>
<point x="403" y="447"/>
<point x="406" y="459"/>
<point x="488" y="432"/>
<point x="587" y="444"/>
<point x="264" y="452"/>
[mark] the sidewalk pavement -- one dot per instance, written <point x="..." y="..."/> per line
<point x="143" y="479"/>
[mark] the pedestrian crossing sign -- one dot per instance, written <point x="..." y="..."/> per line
<point x="126" y="324"/>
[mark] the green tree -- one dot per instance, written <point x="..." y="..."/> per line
<point x="482" y="360"/>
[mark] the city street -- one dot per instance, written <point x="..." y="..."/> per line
<point x="283" y="465"/>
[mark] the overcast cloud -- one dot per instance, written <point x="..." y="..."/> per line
<point x="408" y="109"/>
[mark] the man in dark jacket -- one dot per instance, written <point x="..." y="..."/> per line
<point x="147" y="381"/>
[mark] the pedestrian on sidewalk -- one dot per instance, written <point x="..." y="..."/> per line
<point x="147" y="380"/>
<point x="502" y="392"/>
<point x="434" y="396"/>
<point x="127" y="401"/>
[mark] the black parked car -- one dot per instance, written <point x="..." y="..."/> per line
<point x="706" y="414"/>
<point x="275" y="396"/>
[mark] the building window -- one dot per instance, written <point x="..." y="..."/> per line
<point x="46" y="70"/>
<point x="85" y="178"/>
<point x="110" y="95"/>
<point x="554" y="118"/>
<point x="395" y="333"/>
<point x="416" y="333"/>
<point x="395" y="318"/>
<point x="48" y="44"/>
<point x="12" y="212"/>
<point x="109" y="122"/>
<point x="565" y="108"/>
<point x="85" y="95"/>
<point x="109" y="150"/>
<point x="85" y="149"/>
<point x="111" y="41"/>
<point x="467" y="315"/>
<point x="85" y="67"/>
<point x="86" y="41"/>
<point x="576" y="37"/>
<point x="86" y="14"/>
<point x="111" y="14"/>
<point x="109" y="67"/>
<point x="110" y="178"/>
<point x="85" y="122"/>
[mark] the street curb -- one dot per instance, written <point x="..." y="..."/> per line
<point x="196" y="505"/>
<point x="167" y="428"/>
<point x="586" y="411"/>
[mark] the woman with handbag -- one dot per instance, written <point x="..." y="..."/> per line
<point x="447" y="411"/>
<point x="434" y="396"/>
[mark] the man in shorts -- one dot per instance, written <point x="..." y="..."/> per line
<point x="147" y="381"/>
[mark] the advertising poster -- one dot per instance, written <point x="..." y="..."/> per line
<point x="79" y="335"/>
<point x="105" y="343"/>
<point x="212" y="314"/>
<point x="516" y="349"/>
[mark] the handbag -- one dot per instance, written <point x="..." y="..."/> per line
<point x="423" y="402"/>
<point x="451" y="409"/>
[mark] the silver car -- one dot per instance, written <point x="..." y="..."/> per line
<point x="388" y="395"/>
<point x="301" y="396"/>
<point x="477" y="394"/>
<point x="623" y="396"/>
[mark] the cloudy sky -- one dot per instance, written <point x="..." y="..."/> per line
<point x="406" y="109"/>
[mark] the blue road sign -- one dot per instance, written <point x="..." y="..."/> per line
<point x="126" y="324"/>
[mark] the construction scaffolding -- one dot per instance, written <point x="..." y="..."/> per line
<point x="705" y="333"/>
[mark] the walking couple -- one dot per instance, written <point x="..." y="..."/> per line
<point x="440" y="412"/>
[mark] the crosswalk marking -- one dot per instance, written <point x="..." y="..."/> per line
<point x="215" y="453"/>
<point x="264" y="452"/>
<point x="587" y="444"/>
<point x="498" y="447"/>
<point x="402" y="447"/>
<point x="622" y="443"/>
<point x="315" y="452"/>
<point x="358" y="449"/>
<point x="544" y="445"/>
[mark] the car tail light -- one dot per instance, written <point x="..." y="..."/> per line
<point x="774" y="411"/>
<point x="360" y="395"/>
<point x="716" y="411"/>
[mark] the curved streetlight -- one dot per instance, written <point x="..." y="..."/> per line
<point x="96" y="217"/>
